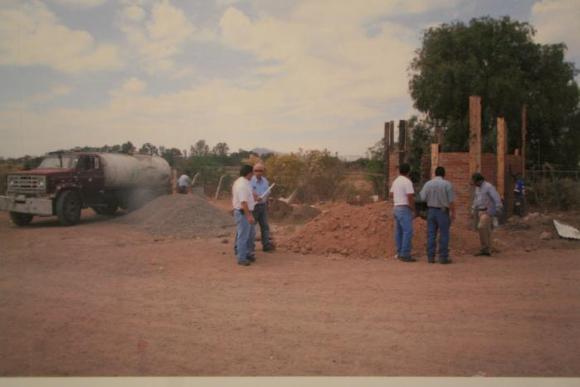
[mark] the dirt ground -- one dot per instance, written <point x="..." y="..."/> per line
<point x="102" y="298"/>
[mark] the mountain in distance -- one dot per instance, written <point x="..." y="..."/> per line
<point x="262" y="151"/>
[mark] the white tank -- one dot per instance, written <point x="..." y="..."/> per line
<point x="122" y="171"/>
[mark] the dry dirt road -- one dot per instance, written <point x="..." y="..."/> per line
<point x="102" y="299"/>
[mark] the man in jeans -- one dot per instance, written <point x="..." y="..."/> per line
<point x="403" y="211"/>
<point x="243" y="203"/>
<point x="486" y="204"/>
<point x="260" y="188"/>
<point x="438" y="193"/>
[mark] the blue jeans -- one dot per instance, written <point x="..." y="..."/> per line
<point x="245" y="235"/>
<point x="261" y="216"/>
<point x="403" y="230"/>
<point x="438" y="220"/>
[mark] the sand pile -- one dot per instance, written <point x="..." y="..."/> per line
<point x="366" y="232"/>
<point x="181" y="216"/>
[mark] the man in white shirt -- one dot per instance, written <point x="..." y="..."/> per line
<point x="243" y="204"/>
<point x="403" y="212"/>
<point x="183" y="184"/>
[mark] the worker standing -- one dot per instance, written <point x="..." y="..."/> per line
<point x="403" y="212"/>
<point x="487" y="204"/>
<point x="438" y="193"/>
<point x="260" y="190"/>
<point x="243" y="204"/>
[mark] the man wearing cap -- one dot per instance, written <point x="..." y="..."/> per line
<point x="486" y="205"/>
<point x="243" y="203"/>
<point x="403" y="212"/>
<point x="260" y="190"/>
<point x="438" y="193"/>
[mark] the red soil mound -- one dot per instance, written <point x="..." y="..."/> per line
<point x="366" y="232"/>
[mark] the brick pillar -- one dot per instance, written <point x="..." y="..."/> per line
<point x="386" y="152"/>
<point x="434" y="159"/>
<point x="403" y="141"/>
<point x="524" y="134"/>
<point x="501" y="152"/>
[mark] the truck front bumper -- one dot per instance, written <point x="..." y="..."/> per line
<point x="34" y="206"/>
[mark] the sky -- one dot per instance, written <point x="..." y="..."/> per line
<point x="277" y="74"/>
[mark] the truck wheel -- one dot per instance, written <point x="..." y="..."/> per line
<point x="68" y="208"/>
<point x="20" y="219"/>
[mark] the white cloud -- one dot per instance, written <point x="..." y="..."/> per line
<point x="32" y="35"/>
<point x="556" y="21"/>
<point x="55" y="91"/>
<point x="81" y="3"/>
<point x="158" y="35"/>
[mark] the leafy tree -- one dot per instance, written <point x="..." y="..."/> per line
<point x="498" y="60"/>
<point x="149" y="149"/>
<point x="221" y="149"/>
<point x="127" y="147"/>
<point x="200" y="149"/>
<point x="171" y="155"/>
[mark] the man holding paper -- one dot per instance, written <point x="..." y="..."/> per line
<point x="261" y="190"/>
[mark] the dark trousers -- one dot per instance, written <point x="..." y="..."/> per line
<point x="438" y="221"/>
<point x="261" y="215"/>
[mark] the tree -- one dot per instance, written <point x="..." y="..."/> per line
<point x="127" y="147"/>
<point x="498" y="60"/>
<point x="200" y="149"/>
<point x="220" y="149"/>
<point x="171" y="155"/>
<point x="149" y="149"/>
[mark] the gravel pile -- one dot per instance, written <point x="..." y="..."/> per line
<point x="181" y="216"/>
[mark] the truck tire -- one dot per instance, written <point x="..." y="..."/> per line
<point x="68" y="208"/>
<point x="20" y="219"/>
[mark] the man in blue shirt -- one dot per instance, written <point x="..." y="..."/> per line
<point x="438" y="193"/>
<point x="260" y="187"/>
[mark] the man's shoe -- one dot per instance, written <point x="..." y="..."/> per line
<point x="431" y="259"/>
<point x="251" y="258"/>
<point x="446" y="261"/>
<point x="482" y="253"/>
<point x="407" y="259"/>
<point x="268" y="248"/>
<point x="245" y="262"/>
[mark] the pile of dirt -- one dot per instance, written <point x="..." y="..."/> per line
<point x="181" y="216"/>
<point x="280" y="211"/>
<point x="366" y="232"/>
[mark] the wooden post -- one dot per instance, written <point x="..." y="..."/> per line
<point x="392" y="134"/>
<point x="501" y="152"/>
<point x="173" y="181"/>
<point x="434" y="158"/>
<point x="386" y="154"/>
<point x="439" y="135"/>
<point x="219" y="187"/>
<point x="524" y="134"/>
<point x="474" y="134"/>
<point x="402" y="141"/>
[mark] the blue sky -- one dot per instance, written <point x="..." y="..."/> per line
<point x="251" y="73"/>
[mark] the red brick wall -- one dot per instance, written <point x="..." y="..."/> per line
<point x="456" y="166"/>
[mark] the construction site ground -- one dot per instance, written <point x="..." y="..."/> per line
<point x="105" y="298"/>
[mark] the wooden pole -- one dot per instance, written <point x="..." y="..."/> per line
<point x="402" y="141"/>
<point x="501" y="152"/>
<point x="474" y="134"/>
<point x="524" y="134"/>
<point x="434" y="158"/>
<point x="386" y="153"/>
<point x="217" y="191"/>
<point x="392" y="135"/>
<point x="173" y="181"/>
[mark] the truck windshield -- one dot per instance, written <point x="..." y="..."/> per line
<point x="59" y="162"/>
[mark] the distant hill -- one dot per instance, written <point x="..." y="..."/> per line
<point x="262" y="151"/>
